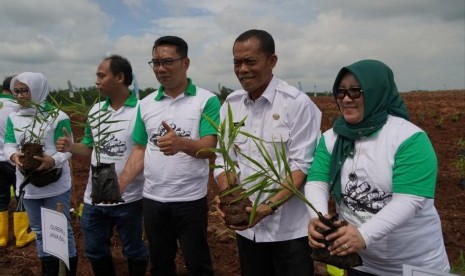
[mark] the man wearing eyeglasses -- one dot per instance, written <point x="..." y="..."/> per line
<point x="172" y="141"/>
<point x="279" y="114"/>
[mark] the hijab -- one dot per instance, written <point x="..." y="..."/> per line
<point x="38" y="87"/>
<point x="381" y="98"/>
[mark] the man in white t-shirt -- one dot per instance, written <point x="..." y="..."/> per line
<point x="276" y="243"/>
<point x="172" y="141"/>
<point x="114" y="75"/>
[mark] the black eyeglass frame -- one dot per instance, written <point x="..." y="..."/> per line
<point x="163" y="62"/>
<point x="353" y="93"/>
<point x="21" y="91"/>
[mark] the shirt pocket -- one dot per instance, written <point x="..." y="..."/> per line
<point x="277" y="135"/>
<point x="275" y="139"/>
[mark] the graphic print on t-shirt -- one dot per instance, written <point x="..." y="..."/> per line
<point x="162" y="131"/>
<point x="361" y="197"/>
<point x="114" y="147"/>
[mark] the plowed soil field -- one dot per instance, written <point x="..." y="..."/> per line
<point x="441" y="114"/>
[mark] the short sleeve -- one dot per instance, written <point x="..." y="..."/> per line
<point x="139" y="134"/>
<point x="212" y="111"/>
<point x="319" y="170"/>
<point x="415" y="167"/>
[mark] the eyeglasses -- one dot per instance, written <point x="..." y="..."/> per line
<point x="163" y="62"/>
<point x="21" y="91"/>
<point x="353" y="93"/>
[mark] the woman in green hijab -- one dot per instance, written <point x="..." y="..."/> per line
<point x="381" y="170"/>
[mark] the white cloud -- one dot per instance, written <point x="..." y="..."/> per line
<point x="134" y="4"/>
<point x="423" y="41"/>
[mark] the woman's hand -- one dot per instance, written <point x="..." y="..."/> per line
<point x="15" y="159"/>
<point x="347" y="239"/>
<point x="47" y="162"/>
<point x="313" y="234"/>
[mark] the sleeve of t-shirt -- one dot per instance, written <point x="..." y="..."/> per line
<point x="10" y="146"/>
<point x="9" y="132"/>
<point x="61" y="157"/>
<point x="415" y="167"/>
<point x="319" y="170"/>
<point x="88" y="139"/>
<point x="212" y="111"/>
<point x="139" y="134"/>
<point x="66" y="123"/>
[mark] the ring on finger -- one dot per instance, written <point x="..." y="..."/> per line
<point x="345" y="246"/>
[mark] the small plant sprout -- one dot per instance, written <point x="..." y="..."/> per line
<point x="45" y="115"/>
<point x="100" y="120"/>
<point x="459" y="162"/>
<point x="272" y="174"/>
<point x="267" y="175"/>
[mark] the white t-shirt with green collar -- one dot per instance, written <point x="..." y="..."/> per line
<point x="20" y="123"/>
<point x="396" y="170"/>
<point x="120" y="144"/>
<point x="180" y="177"/>
<point x="7" y="105"/>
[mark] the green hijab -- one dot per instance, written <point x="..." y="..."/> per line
<point x="381" y="98"/>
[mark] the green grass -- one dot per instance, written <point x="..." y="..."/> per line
<point x="458" y="266"/>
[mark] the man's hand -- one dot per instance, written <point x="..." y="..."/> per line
<point x="168" y="143"/>
<point x="218" y="208"/>
<point x="222" y="185"/>
<point x="63" y="144"/>
<point x="261" y="212"/>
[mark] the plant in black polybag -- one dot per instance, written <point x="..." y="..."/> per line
<point x="105" y="186"/>
<point x="272" y="174"/>
<point x="322" y="254"/>
<point x="32" y="144"/>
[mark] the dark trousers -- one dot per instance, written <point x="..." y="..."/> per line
<point x="97" y="225"/>
<point x="7" y="178"/>
<point x="168" y="223"/>
<point x="283" y="258"/>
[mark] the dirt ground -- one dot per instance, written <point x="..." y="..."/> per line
<point x="440" y="114"/>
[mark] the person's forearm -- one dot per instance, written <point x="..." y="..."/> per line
<point x="134" y="165"/>
<point x="401" y="209"/>
<point x="201" y="149"/>
<point x="282" y="196"/>
<point x="9" y="150"/>
<point x="317" y="193"/>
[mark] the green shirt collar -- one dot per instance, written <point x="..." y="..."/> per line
<point x="190" y="90"/>
<point x="6" y="96"/>
<point x="130" y="101"/>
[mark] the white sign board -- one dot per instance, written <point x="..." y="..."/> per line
<point x="55" y="234"/>
<point x="410" y="270"/>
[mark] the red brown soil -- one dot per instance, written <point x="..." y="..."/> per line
<point x="233" y="209"/>
<point x="30" y="150"/>
<point x="441" y="114"/>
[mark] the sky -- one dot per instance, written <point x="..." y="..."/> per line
<point x="422" y="41"/>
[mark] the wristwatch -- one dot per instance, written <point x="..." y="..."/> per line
<point x="272" y="205"/>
